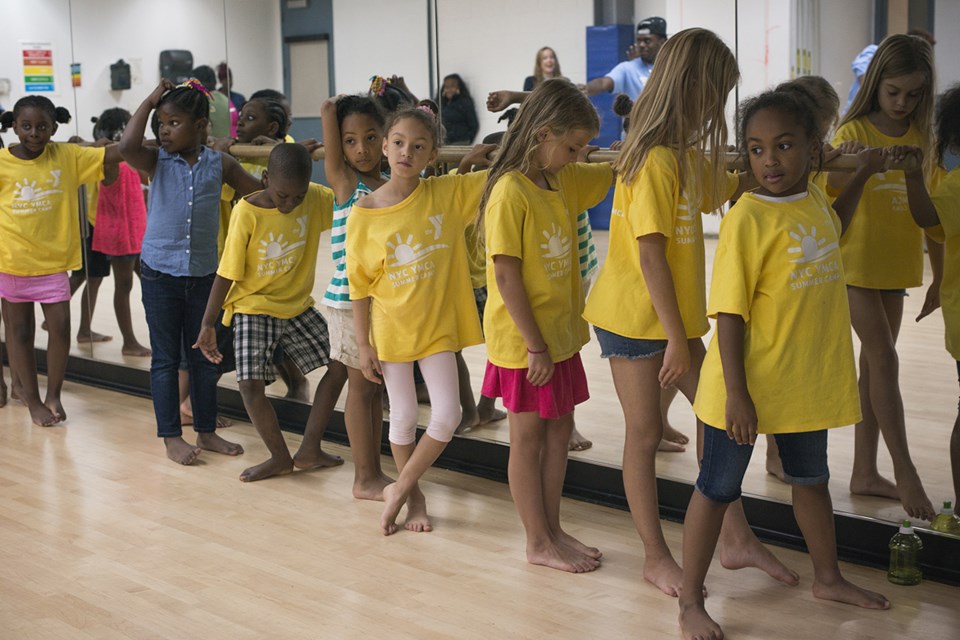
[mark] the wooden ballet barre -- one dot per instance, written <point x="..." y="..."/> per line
<point x="451" y="154"/>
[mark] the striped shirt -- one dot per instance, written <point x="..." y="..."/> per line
<point x="587" y="249"/>
<point x="337" y="294"/>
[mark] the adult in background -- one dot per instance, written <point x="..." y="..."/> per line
<point x="630" y="76"/>
<point x="545" y="66"/>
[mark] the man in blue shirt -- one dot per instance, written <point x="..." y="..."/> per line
<point x="630" y="76"/>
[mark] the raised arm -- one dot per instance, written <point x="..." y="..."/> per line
<point x="237" y="177"/>
<point x="514" y="293"/>
<point x="603" y="84"/>
<point x="869" y="162"/>
<point x="131" y="145"/>
<point x="921" y="206"/>
<point x="500" y="100"/>
<point x="341" y="178"/>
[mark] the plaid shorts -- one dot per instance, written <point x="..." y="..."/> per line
<point x="304" y="339"/>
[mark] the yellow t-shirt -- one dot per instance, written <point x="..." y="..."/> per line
<point x="540" y="228"/>
<point x="39" y="211"/>
<point x="272" y="256"/>
<point x="946" y="199"/>
<point x="411" y="259"/>
<point x="654" y="203"/>
<point x="883" y="248"/>
<point x="778" y="266"/>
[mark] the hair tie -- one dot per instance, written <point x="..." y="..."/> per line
<point x="196" y="85"/>
<point x="427" y="109"/>
<point x="378" y="86"/>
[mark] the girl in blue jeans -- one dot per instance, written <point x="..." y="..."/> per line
<point x="179" y="255"/>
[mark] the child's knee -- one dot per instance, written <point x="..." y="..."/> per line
<point x="443" y="424"/>
<point x="251" y="390"/>
<point x="402" y="433"/>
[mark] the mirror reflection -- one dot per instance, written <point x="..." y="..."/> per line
<point x="331" y="51"/>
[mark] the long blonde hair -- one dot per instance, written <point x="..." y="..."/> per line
<point x="538" y="77"/>
<point x="682" y="107"/>
<point x="556" y="105"/>
<point x="900" y="55"/>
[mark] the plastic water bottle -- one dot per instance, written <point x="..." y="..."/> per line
<point x="905" y="548"/>
<point x="947" y="521"/>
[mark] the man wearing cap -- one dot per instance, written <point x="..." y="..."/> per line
<point x="630" y="76"/>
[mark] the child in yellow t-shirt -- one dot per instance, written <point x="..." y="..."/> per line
<point x="412" y="299"/>
<point x="883" y="257"/>
<point x="41" y="242"/>
<point x="648" y="306"/>
<point x="943" y="209"/>
<point x="263" y="283"/>
<point x="532" y="322"/>
<point x="781" y="360"/>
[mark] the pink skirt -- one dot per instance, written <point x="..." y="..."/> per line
<point x="121" y="215"/>
<point x="566" y="389"/>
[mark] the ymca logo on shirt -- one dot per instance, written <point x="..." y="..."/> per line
<point x="896" y="185"/>
<point x="819" y="259"/>
<point x="409" y="260"/>
<point x="556" y="252"/>
<point x="684" y="231"/>
<point x="278" y="255"/>
<point x="31" y="198"/>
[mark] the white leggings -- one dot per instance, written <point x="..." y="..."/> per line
<point x="440" y="373"/>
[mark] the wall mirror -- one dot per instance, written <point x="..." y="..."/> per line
<point x="281" y="45"/>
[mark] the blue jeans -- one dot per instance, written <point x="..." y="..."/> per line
<point x="724" y="462"/>
<point x="174" y="307"/>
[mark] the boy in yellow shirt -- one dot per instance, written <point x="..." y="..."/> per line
<point x="264" y="283"/>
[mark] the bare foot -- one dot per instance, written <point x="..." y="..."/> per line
<point x="53" y="404"/>
<point x="42" y="416"/>
<point x="16" y="393"/>
<point x="560" y="556"/>
<point x="914" y="498"/>
<point x="750" y="553"/>
<point x="223" y="422"/>
<point x="180" y="451"/>
<point x="213" y="442"/>
<point x="696" y="624"/>
<point x="393" y="501"/>
<point x="370" y="489"/>
<point x="873" y="485"/>
<point x="3" y="394"/>
<point x="668" y="446"/>
<point x="849" y="593"/>
<point x="578" y="442"/>
<point x="417" y="519"/>
<point x="775" y="466"/>
<point x="315" y="460"/>
<point x="135" y="349"/>
<point x="664" y="573"/>
<point x="565" y="538"/>
<point x="672" y="435"/>
<point x="491" y="413"/>
<point x="93" y="336"/>
<point x="467" y="422"/>
<point x="267" y="469"/>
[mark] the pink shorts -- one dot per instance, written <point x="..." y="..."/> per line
<point x="43" y="289"/>
<point x="566" y="389"/>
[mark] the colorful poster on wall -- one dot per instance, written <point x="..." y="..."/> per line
<point x="38" y="67"/>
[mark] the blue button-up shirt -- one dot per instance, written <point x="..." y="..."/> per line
<point x="183" y="215"/>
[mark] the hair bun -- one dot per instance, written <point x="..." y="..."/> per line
<point x="622" y="105"/>
<point x="63" y="116"/>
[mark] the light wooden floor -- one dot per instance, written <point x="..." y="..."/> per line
<point x="102" y="537"/>
<point x="928" y="379"/>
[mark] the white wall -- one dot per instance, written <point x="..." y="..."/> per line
<point x="492" y="44"/>
<point x="372" y="37"/>
<point x="106" y="30"/>
<point x="947" y="18"/>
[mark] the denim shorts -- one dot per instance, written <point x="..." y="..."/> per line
<point x="613" y="345"/>
<point x="804" y="457"/>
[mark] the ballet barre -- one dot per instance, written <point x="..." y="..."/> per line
<point x="735" y="162"/>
